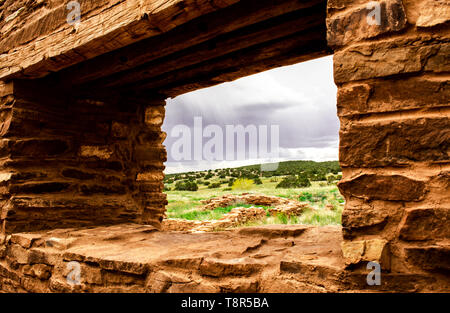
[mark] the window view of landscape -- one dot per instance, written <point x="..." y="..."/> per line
<point x="207" y="194"/>
<point x="312" y="184"/>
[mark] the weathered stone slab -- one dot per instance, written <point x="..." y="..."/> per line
<point x="426" y="224"/>
<point x="395" y="142"/>
<point x="371" y="250"/>
<point x="433" y="13"/>
<point x="383" y="187"/>
<point x="379" y="97"/>
<point x="391" y="57"/>
<point x="433" y="257"/>
<point x="359" y="22"/>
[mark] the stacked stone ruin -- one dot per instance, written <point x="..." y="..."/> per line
<point x="82" y="107"/>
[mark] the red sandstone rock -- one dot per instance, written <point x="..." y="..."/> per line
<point x="280" y="205"/>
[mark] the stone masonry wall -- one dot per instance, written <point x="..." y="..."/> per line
<point x="393" y="105"/>
<point x="70" y="162"/>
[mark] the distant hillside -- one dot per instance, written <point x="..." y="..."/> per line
<point x="314" y="170"/>
<point x="292" y="167"/>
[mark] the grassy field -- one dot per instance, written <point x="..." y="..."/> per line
<point x="185" y="204"/>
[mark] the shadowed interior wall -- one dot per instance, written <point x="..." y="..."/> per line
<point x="71" y="162"/>
<point x="90" y="97"/>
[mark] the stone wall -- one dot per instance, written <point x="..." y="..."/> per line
<point x="69" y="161"/>
<point x="393" y="105"/>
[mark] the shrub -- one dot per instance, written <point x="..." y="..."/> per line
<point x="294" y="182"/>
<point x="331" y="179"/>
<point x="243" y="184"/>
<point x="186" y="186"/>
<point x="257" y="181"/>
<point x="214" y="185"/>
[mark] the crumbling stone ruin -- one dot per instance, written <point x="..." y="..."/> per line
<point x="236" y="217"/>
<point x="81" y="109"/>
<point x="278" y="205"/>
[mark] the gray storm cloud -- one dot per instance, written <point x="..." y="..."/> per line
<point x="300" y="99"/>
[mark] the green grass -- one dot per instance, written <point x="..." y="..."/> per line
<point x="199" y="215"/>
<point x="185" y="204"/>
<point x="318" y="217"/>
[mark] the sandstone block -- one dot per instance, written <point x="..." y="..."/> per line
<point x="150" y="176"/>
<point x="355" y="217"/>
<point x="41" y="271"/>
<point x="25" y="240"/>
<point x="433" y="12"/>
<point x="102" y="153"/>
<point x="383" y="187"/>
<point x="125" y="267"/>
<point x="356" y="24"/>
<point x="433" y="257"/>
<point x="40" y="256"/>
<point x="371" y="250"/>
<point x="426" y="224"/>
<point x="353" y="251"/>
<point x="379" y="96"/>
<point x="161" y="281"/>
<point x="17" y="253"/>
<point x="387" y="58"/>
<point x="219" y="268"/>
<point x="154" y="115"/>
<point x="120" y="278"/>
<point x="395" y="143"/>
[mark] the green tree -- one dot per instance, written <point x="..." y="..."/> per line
<point x="186" y="186"/>
<point x="293" y="181"/>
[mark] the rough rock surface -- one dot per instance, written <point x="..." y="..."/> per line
<point x="393" y="105"/>
<point x="235" y="217"/>
<point x="138" y="258"/>
<point x="278" y="204"/>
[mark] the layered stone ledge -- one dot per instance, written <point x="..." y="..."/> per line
<point x="138" y="258"/>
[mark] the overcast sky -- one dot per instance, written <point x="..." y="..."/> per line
<point x="299" y="99"/>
